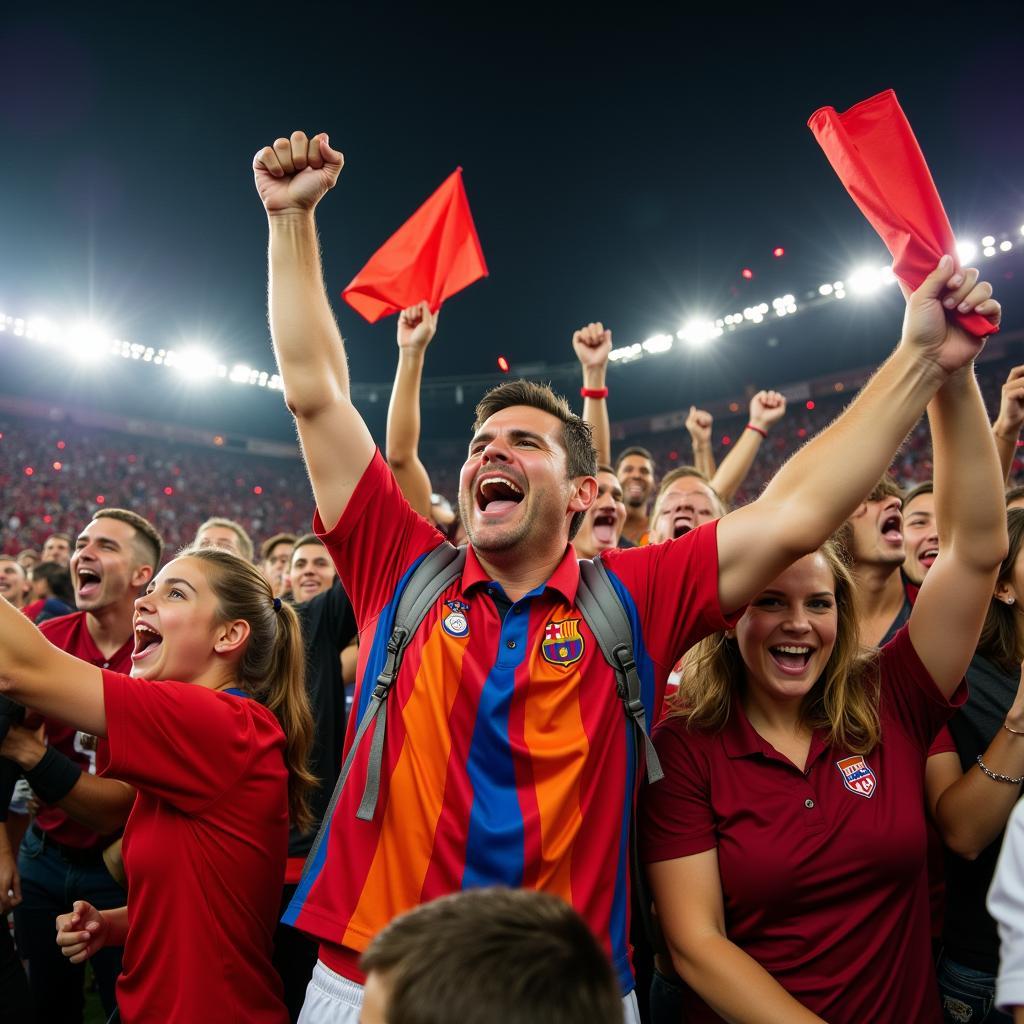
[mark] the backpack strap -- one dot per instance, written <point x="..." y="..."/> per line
<point x="600" y="606"/>
<point x="435" y="573"/>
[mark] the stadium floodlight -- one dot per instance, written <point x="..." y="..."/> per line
<point x="658" y="343"/>
<point x="1006" y="245"/>
<point x="966" y="251"/>
<point x="865" y="280"/>
<point x="988" y="240"/>
<point x="240" y="374"/>
<point x="194" y="362"/>
<point x="38" y="328"/>
<point x="825" y="289"/>
<point x="990" y="250"/>
<point x="88" y="341"/>
<point x="698" y="332"/>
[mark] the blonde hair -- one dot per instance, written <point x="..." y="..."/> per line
<point x="843" y="701"/>
<point x="272" y="668"/>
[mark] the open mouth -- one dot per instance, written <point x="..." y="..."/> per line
<point x="928" y="556"/>
<point x="604" y="528"/>
<point x="681" y="525"/>
<point x="496" y="495"/>
<point x="892" y="529"/>
<point x="147" y="640"/>
<point x="88" y="582"/>
<point x="791" y="658"/>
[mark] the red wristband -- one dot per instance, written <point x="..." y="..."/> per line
<point x="594" y="392"/>
<point x="757" y="430"/>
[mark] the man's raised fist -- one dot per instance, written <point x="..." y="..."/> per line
<point x="293" y="174"/>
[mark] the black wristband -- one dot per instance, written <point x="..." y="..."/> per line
<point x="54" y="777"/>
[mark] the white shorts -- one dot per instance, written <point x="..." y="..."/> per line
<point x="332" y="999"/>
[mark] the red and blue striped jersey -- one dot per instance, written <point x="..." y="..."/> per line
<point x="507" y="758"/>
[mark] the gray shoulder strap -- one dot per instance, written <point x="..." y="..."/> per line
<point x="600" y="606"/>
<point x="438" y="570"/>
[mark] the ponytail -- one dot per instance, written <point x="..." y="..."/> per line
<point x="272" y="668"/>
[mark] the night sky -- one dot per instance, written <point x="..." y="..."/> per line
<point x="622" y="169"/>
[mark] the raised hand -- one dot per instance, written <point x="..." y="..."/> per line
<point x="767" y="408"/>
<point x="294" y="174"/>
<point x="1011" y="404"/>
<point x="81" y="933"/>
<point x="416" y="327"/>
<point x="927" y="331"/>
<point x="699" y="424"/>
<point x="592" y="345"/>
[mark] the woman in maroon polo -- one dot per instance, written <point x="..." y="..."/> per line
<point x="786" y="843"/>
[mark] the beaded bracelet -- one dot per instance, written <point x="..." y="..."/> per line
<point x="995" y="775"/>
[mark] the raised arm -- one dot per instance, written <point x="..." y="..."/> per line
<point x="592" y="345"/>
<point x="766" y="409"/>
<point x="416" y="327"/>
<point x="292" y="176"/>
<point x="1006" y="429"/>
<point x="971" y="516"/>
<point x="41" y="676"/>
<point x="824" y="482"/>
<point x="699" y="424"/>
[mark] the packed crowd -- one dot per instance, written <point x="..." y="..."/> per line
<point x="786" y="731"/>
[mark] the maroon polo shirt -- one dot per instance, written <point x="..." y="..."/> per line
<point x="71" y="633"/>
<point x="823" y="870"/>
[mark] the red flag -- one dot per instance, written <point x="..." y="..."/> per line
<point x="433" y="255"/>
<point x="873" y="150"/>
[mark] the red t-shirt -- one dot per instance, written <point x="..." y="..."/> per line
<point x="508" y="760"/>
<point x="71" y="633"/>
<point x="204" y="850"/>
<point x="822" y="871"/>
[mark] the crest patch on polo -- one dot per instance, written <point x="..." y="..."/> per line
<point x="562" y="643"/>
<point x="857" y="775"/>
<point x="455" y="622"/>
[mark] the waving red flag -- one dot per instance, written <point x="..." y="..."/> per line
<point x="873" y="150"/>
<point x="433" y="255"/>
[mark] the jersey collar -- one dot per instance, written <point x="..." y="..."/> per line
<point x="741" y="739"/>
<point x="565" y="579"/>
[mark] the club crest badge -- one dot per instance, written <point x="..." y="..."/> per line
<point x="562" y="643"/>
<point x="857" y="776"/>
<point x="455" y="622"/>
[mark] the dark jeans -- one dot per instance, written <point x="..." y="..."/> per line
<point x="14" y="997"/>
<point x="295" y="957"/>
<point x="50" y="883"/>
<point x="968" y="996"/>
<point x="666" y="999"/>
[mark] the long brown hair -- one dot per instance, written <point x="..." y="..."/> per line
<point x="843" y="701"/>
<point x="272" y="668"/>
<point x="1000" y="640"/>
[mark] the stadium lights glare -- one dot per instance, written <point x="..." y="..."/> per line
<point x="88" y="341"/>
<point x="699" y="332"/>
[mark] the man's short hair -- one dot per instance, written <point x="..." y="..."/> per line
<point x="60" y="536"/>
<point x="915" y="492"/>
<point x="484" y="955"/>
<point x="245" y="544"/>
<point x="58" y="579"/>
<point x="603" y="467"/>
<point x="14" y="560"/>
<point x="307" y="538"/>
<point x="885" y="488"/>
<point x="149" y="545"/>
<point x="580" y="455"/>
<point x="271" y="542"/>
<point x="1014" y="494"/>
<point x="634" y="450"/>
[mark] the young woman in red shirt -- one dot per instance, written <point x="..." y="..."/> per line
<point x="213" y="728"/>
<point x="786" y="843"/>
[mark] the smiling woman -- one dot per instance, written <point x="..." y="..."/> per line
<point x="218" y="773"/>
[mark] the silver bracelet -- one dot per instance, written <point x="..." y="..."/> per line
<point x="995" y="775"/>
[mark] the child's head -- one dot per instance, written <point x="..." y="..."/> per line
<point x="486" y="955"/>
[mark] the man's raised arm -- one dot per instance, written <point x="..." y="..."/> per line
<point x="825" y="481"/>
<point x="292" y="176"/>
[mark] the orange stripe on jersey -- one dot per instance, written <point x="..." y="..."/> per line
<point x="557" y="742"/>
<point x="416" y="792"/>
